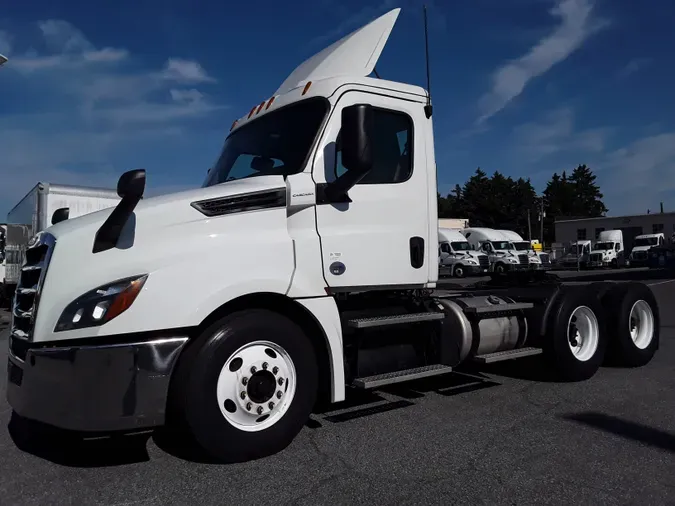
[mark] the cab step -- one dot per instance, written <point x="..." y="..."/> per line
<point x="380" y="321"/>
<point x="499" y="356"/>
<point x="380" y="380"/>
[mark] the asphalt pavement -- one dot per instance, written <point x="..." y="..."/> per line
<point x="503" y="434"/>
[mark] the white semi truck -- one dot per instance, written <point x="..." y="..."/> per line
<point x="43" y="205"/>
<point x="639" y="255"/>
<point x="109" y="334"/>
<point x="537" y="259"/>
<point x="457" y="257"/>
<point x="577" y="255"/>
<point x="499" y="248"/>
<point x="608" y="250"/>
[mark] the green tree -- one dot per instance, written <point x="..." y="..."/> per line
<point x="587" y="201"/>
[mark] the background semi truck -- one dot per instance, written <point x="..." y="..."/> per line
<point x="608" y="250"/>
<point x="537" y="259"/>
<point x="34" y="214"/>
<point x="457" y="257"/>
<point x="639" y="255"/>
<point x="328" y="177"/>
<point x="499" y="248"/>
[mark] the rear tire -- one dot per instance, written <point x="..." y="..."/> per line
<point x="247" y="385"/>
<point x="576" y="340"/>
<point x="635" y="326"/>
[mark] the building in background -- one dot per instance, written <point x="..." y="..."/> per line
<point x="632" y="226"/>
<point x="453" y="223"/>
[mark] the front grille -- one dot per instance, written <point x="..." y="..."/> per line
<point x="27" y="295"/>
<point x="523" y="259"/>
<point x="640" y="255"/>
<point x="483" y="261"/>
<point x="545" y="258"/>
<point x="596" y="257"/>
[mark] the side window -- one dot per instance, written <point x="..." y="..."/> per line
<point x="445" y="247"/>
<point x="392" y="143"/>
<point x="616" y="247"/>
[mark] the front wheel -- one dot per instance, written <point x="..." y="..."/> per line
<point x="458" y="271"/>
<point x="500" y="268"/>
<point x="247" y="385"/>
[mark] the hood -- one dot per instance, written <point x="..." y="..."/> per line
<point x="643" y="248"/>
<point x="174" y="208"/>
<point x="354" y="55"/>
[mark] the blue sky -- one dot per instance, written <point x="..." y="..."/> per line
<point x="526" y="87"/>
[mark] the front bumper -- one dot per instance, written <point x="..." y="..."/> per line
<point x="475" y="270"/>
<point x="91" y="386"/>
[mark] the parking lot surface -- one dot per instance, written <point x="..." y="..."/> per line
<point x="503" y="434"/>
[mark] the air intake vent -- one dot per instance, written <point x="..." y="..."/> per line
<point x="253" y="201"/>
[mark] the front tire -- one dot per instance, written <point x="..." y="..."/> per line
<point x="500" y="268"/>
<point x="577" y="338"/>
<point x="247" y="385"/>
<point x="458" y="271"/>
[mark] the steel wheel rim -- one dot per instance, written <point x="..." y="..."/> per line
<point x="641" y="324"/>
<point x="583" y="333"/>
<point x="243" y="386"/>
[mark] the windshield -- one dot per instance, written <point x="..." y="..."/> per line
<point x="522" y="246"/>
<point x="643" y="241"/>
<point x="276" y="144"/>
<point x="461" y="246"/>
<point x="604" y="245"/>
<point x="498" y="245"/>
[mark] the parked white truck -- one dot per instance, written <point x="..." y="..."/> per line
<point x="537" y="259"/>
<point x="608" y="250"/>
<point x="499" y="248"/>
<point x="109" y="333"/>
<point x="44" y="204"/>
<point x="577" y="255"/>
<point x="639" y="255"/>
<point x="457" y="257"/>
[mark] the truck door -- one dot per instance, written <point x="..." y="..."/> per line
<point x="381" y="237"/>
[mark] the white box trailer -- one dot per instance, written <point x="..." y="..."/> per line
<point x="34" y="214"/>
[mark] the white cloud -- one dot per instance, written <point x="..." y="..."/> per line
<point x="556" y="134"/>
<point x="575" y="26"/>
<point x="94" y="104"/>
<point x="633" y="66"/>
<point x="186" y="71"/>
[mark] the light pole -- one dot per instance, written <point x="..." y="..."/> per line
<point x="3" y="59"/>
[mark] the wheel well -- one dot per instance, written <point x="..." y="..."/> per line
<point x="290" y="309"/>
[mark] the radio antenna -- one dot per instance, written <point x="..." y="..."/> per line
<point x="428" y="109"/>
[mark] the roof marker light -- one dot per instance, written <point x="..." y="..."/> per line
<point x="262" y="104"/>
<point x="306" y="89"/>
<point x="252" y="111"/>
<point x="270" y="103"/>
<point x="234" y="124"/>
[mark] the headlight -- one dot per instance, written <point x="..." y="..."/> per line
<point x="513" y="260"/>
<point x="471" y="261"/>
<point x="101" y="305"/>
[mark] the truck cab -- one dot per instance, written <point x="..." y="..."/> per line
<point x="639" y="255"/>
<point x="457" y="257"/>
<point x="537" y="258"/>
<point x="501" y="252"/>
<point x="608" y="250"/>
<point x="292" y="300"/>
<point x="578" y="254"/>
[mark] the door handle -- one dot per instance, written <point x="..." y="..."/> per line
<point x="416" y="252"/>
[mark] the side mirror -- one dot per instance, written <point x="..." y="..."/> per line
<point x="132" y="184"/>
<point x="60" y="215"/>
<point x="357" y="134"/>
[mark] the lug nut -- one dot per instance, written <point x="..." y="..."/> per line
<point x="260" y="410"/>
<point x="281" y="381"/>
<point x="244" y="381"/>
<point x="271" y="405"/>
<point x="243" y="395"/>
<point x="253" y="369"/>
<point x="275" y="369"/>
<point x="279" y="394"/>
<point x="248" y="406"/>
<point x="265" y="365"/>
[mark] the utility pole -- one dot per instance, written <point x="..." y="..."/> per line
<point x="542" y="215"/>
<point x="529" y="227"/>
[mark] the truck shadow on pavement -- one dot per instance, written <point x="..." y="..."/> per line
<point x="70" y="449"/>
<point x="629" y="430"/>
<point x="623" y="275"/>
